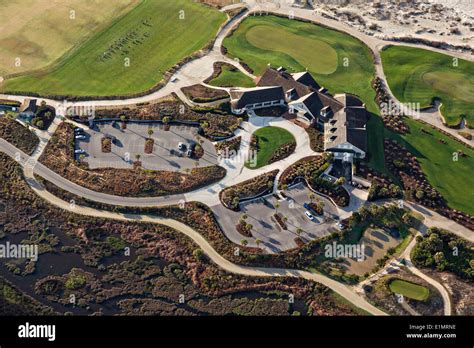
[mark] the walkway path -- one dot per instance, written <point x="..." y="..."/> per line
<point x="341" y="289"/>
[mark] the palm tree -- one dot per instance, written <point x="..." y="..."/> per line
<point x="277" y="206"/>
<point x="311" y="196"/>
<point x="258" y="241"/>
<point x="137" y="157"/>
<point x="244" y="242"/>
<point x="150" y="132"/>
<point x="299" y="231"/>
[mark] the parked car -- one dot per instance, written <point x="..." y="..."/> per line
<point x="174" y="79"/>
<point x="309" y="215"/>
<point x="181" y="147"/>
<point x="189" y="153"/>
<point x="80" y="137"/>
<point x="78" y="130"/>
<point x="340" y="226"/>
<point x="79" y="151"/>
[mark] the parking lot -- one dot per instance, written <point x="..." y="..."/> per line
<point x="260" y="215"/>
<point x="130" y="142"/>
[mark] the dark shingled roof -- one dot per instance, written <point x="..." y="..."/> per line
<point x="315" y="101"/>
<point x="349" y="126"/>
<point x="243" y="97"/>
<point x="272" y="77"/>
<point x="306" y="79"/>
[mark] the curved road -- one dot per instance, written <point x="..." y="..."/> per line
<point x="228" y="266"/>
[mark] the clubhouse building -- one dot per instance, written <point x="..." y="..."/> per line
<point x="343" y="117"/>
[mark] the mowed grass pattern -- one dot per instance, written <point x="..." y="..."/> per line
<point x="232" y="77"/>
<point x="38" y="32"/>
<point x="269" y="140"/>
<point x="337" y="61"/>
<point x="453" y="179"/>
<point x="409" y="290"/>
<point x="418" y="76"/>
<point x="163" y="38"/>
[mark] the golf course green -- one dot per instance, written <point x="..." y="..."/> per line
<point x="131" y="55"/>
<point x="409" y="290"/>
<point x="338" y="61"/>
<point x="418" y="76"/>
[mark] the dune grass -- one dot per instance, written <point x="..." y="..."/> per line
<point x="418" y="76"/>
<point x="131" y="55"/>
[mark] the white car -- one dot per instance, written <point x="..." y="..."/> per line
<point x="80" y="137"/>
<point x="174" y="79"/>
<point x="181" y="147"/>
<point x="79" y="151"/>
<point x="309" y="215"/>
<point x="340" y="226"/>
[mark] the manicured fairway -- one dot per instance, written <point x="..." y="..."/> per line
<point x="152" y="38"/>
<point x="417" y="75"/>
<point x="232" y="77"/>
<point x="269" y="140"/>
<point x="453" y="179"/>
<point x="337" y="61"/>
<point x="38" y="32"/>
<point x="409" y="290"/>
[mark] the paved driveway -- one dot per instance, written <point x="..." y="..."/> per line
<point x="260" y="215"/>
<point x="131" y="141"/>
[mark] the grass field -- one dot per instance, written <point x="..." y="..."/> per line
<point x="269" y="140"/>
<point x="132" y="54"/>
<point x="409" y="290"/>
<point x="453" y="179"/>
<point x="417" y="75"/>
<point x="41" y="31"/>
<point x="232" y="77"/>
<point x="337" y="61"/>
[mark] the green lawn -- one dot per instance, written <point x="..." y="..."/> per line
<point x="409" y="290"/>
<point x="417" y="75"/>
<point x="338" y="61"/>
<point x="232" y="77"/>
<point x="152" y="36"/>
<point x="269" y="140"/>
<point x="453" y="179"/>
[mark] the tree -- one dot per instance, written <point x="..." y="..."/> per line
<point x="299" y="231"/>
<point x="244" y="242"/>
<point x="123" y="118"/>
<point x="311" y="197"/>
<point x="341" y="181"/>
<point x="150" y="132"/>
<point x="277" y="206"/>
<point x="270" y="184"/>
<point x="137" y="157"/>
<point x="258" y="241"/>
<point x="235" y="202"/>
